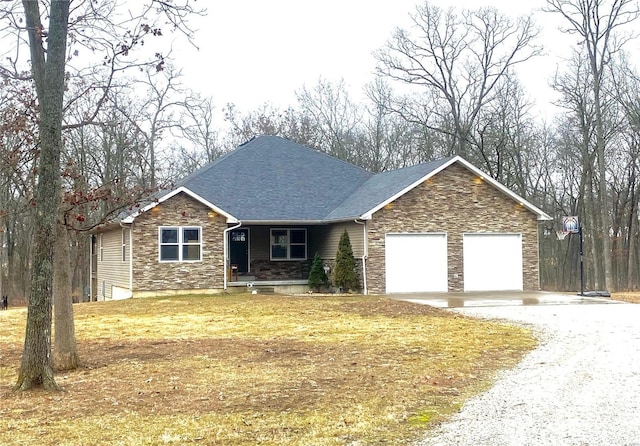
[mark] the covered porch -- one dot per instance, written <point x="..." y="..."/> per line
<point x="278" y="257"/>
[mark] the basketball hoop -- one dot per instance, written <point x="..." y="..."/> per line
<point x="561" y="234"/>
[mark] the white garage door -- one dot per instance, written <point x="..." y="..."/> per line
<point x="416" y="263"/>
<point x="492" y="262"/>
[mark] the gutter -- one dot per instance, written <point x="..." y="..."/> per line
<point x="364" y="255"/>
<point x="225" y="244"/>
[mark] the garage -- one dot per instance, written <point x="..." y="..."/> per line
<point x="416" y="262"/>
<point x="492" y="262"/>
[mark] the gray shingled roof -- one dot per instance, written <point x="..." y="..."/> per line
<point x="380" y="187"/>
<point x="273" y="179"/>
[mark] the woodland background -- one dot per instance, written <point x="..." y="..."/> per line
<point x="446" y="85"/>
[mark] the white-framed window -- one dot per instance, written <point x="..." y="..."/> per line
<point x="180" y="243"/>
<point x="288" y="244"/>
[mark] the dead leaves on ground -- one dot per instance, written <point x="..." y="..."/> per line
<point x="258" y="370"/>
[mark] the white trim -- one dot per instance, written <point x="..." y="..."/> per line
<point x="225" y="252"/>
<point x="131" y="258"/>
<point x="123" y="247"/>
<point x="100" y="249"/>
<point x="230" y="218"/>
<point x="542" y="216"/>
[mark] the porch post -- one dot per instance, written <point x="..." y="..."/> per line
<point x="225" y="251"/>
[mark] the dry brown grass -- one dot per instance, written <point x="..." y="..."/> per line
<point x="244" y="370"/>
<point x="628" y="296"/>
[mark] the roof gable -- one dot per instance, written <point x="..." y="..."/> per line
<point x="383" y="188"/>
<point x="433" y="168"/>
<point x="542" y="216"/>
<point x="131" y="217"/>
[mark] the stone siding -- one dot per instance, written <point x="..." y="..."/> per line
<point x="280" y="270"/>
<point x="149" y="274"/>
<point x="454" y="201"/>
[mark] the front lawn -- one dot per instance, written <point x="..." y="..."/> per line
<point x="247" y="369"/>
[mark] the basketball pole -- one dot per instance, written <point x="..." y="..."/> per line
<point x="581" y="263"/>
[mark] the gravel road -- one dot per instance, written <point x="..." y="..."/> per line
<point x="580" y="387"/>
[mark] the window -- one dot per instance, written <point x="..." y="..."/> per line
<point x="288" y="244"/>
<point x="180" y="244"/>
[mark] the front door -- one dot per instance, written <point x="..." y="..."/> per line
<point x="239" y="249"/>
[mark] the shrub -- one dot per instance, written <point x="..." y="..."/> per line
<point x="317" y="276"/>
<point x="344" y="273"/>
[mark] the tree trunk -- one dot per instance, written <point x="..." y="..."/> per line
<point x="65" y="352"/>
<point x="603" y="201"/>
<point x="631" y="255"/>
<point x="36" y="368"/>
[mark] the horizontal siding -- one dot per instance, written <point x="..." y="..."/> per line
<point x="329" y="240"/>
<point x="112" y="271"/>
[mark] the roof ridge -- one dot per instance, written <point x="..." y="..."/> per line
<point x="317" y="151"/>
<point x="215" y="162"/>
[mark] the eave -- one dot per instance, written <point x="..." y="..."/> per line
<point x="542" y="216"/>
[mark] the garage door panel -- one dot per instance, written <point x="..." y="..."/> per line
<point x="416" y="263"/>
<point x="492" y="262"/>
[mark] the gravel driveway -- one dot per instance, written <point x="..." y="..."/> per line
<point x="580" y="387"/>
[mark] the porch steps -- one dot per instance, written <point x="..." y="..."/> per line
<point x="264" y="289"/>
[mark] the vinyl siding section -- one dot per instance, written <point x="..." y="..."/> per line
<point x="329" y="237"/>
<point x="112" y="270"/>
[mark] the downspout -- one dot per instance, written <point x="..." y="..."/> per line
<point x="130" y="255"/>
<point x="91" y="267"/>
<point x="225" y="244"/>
<point x="364" y="255"/>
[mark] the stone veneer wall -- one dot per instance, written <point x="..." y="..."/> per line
<point x="280" y="270"/>
<point x="454" y="201"/>
<point x="149" y="274"/>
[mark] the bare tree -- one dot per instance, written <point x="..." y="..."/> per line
<point x="386" y="141"/>
<point x="154" y="113"/>
<point x="48" y="33"/>
<point x="268" y="120"/>
<point x="334" y="116"/>
<point x="201" y="138"/>
<point x="48" y="73"/>
<point x="597" y="24"/>
<point x="457" y="61"/>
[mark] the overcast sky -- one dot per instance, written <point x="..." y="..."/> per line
<point x="257" y="51"/>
